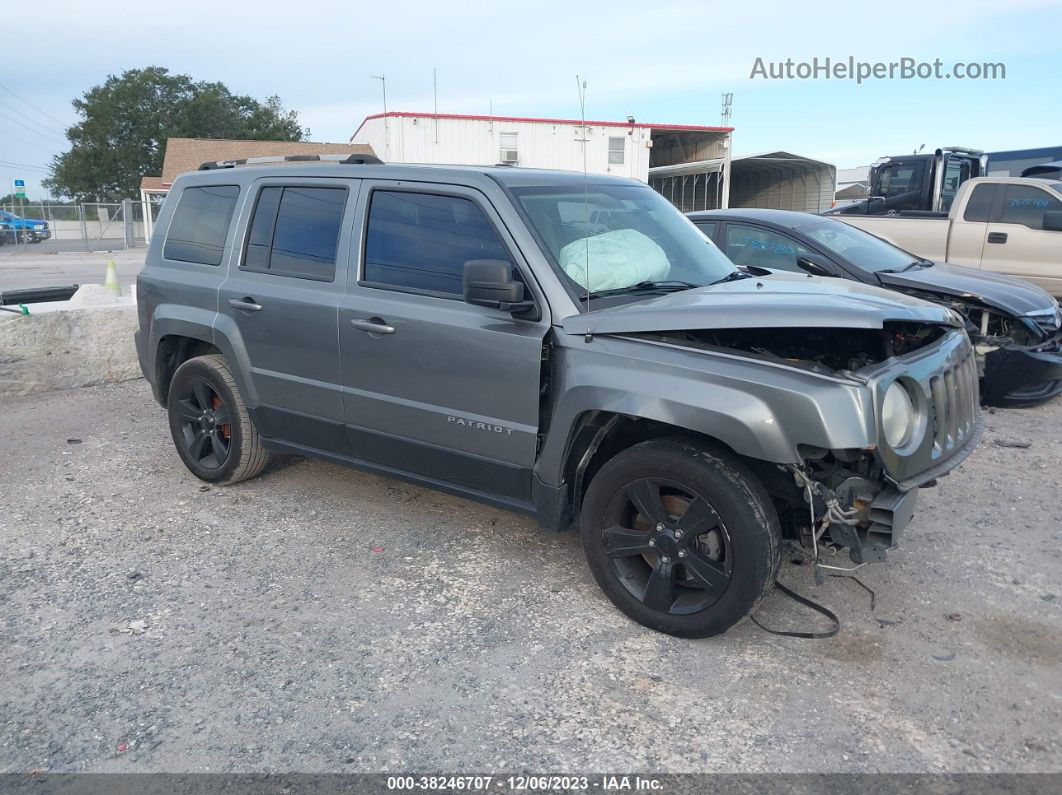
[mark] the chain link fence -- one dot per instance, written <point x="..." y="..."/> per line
<point x="87" y="227"/>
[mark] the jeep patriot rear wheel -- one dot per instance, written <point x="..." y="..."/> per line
<point x="681" y="538"/>
<point x="210" y="424"/>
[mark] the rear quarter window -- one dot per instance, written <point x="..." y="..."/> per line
<point x="979" y="205"/>
<point x="200" y="224"/>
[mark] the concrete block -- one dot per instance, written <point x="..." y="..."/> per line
<point x="93" y="295"/>
<point x="67" y="348"/>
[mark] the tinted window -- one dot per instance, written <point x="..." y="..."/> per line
<point x="902" y="183"/>
<point x="422" y="242"/>
<point x="955" y="173"/>
<point x="750" y="245"/>
<point x="1024" y="204"/>
<point x="708" y="227"/>
<point x="979" y="205"/>
<point x="200" y="224"/>
<point x="295" y="230"/>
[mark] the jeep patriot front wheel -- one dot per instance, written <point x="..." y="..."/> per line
<point x="681" y="538"/>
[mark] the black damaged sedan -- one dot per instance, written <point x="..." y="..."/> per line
<point x="1016" y="327"/>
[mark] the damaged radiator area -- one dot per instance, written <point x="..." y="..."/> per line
<point x="829" y="351"/>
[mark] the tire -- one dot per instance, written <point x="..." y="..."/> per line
<point x="202" y="394"/>
<point x="719" y="550"/>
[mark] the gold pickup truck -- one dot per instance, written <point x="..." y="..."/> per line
<point x="1010" y="225"/>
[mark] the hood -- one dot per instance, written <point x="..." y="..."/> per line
<point x="781" y="300"/>
<point x="1000" y="292"/>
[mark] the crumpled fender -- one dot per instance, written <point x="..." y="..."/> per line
<point x="758" y="409"/>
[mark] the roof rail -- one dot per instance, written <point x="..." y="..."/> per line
<point x="346" y="160"/>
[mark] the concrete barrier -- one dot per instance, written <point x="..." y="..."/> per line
<point x="59" y="346"/>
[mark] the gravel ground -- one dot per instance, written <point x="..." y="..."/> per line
<point x="321" y="619"/>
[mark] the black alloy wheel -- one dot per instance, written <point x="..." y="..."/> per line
<point x="205" y="424"/>
<point x="667" y="546"/>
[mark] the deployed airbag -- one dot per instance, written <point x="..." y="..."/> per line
<point x="617" y="259"/>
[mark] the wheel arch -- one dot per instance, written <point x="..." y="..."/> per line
<point x="180" y="333"/>
<point x="598" y="435"/>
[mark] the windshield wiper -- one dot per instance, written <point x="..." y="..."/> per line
<point x="733" y="277"/>
<point x="918" y="263"/>
<point x="663" y="284"/>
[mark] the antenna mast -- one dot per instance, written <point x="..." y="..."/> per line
<point x="581" y="87"/>
<point x="728" y="101"/>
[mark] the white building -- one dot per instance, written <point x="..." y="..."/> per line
<point x="627" y="149"/>
<point x="689" y="164"/>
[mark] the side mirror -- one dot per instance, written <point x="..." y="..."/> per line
<point x="490" y="283"/>
<point x="813" y="267"/>
<point x="876" y="205"/>
<point x="1053" y="220"/>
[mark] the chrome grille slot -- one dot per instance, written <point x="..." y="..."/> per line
<point x="954" y="399"/>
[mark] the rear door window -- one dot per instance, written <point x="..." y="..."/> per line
<point x="200" y="224"/>
<point x="708" y="227"/>
<point x="294" y="231"/>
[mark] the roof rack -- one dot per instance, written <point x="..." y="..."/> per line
<point x="345" y="160"/>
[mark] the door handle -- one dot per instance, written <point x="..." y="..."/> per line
<point x="997" y="237"/>
<point x="245" y="304"/>
<point x="373" y="325"/>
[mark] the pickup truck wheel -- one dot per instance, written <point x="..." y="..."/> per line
<point x="210" y="425"/>
<point x="682" y="539"/>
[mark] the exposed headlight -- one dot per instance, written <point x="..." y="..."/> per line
<point x="897" y="415"/>
<point x="1050" y="320"/>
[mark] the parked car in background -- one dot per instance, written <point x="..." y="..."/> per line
<point x="1016" y="327"/>
<point x="26" y="230"/>
<point x="560" y="345"/>
<point x="1010" y="225"/>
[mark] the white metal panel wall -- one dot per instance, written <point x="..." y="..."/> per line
<point x="804" y="189"/>
<point x="406" y="139"/>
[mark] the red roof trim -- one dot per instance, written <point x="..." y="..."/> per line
<point x="463" y="117"/>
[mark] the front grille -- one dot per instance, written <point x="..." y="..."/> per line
<point x="955" y="399"/>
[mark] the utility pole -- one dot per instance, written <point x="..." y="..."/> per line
<point x="387" y="127"/>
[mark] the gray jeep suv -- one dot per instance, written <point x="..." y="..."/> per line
<point x="565" y="346"/>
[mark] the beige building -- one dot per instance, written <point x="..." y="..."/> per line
<point x="188" y="154"/>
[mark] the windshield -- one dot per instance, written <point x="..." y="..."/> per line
<point x="860" y="248"/>
<point x="622" y="239"/>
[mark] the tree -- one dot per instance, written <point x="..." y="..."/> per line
<point x="125" y="123"/>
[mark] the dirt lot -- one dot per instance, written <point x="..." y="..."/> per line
<point x="321" y="619"/>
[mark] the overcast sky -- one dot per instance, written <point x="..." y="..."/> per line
<point x="666" y="62"/>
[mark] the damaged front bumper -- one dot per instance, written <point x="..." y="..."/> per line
<point x="1014" y="371"/>
<point x="862" y="500"/>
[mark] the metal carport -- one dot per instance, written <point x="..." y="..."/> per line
<point x="782" y="181"/>
<point x="700" y="185"/>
